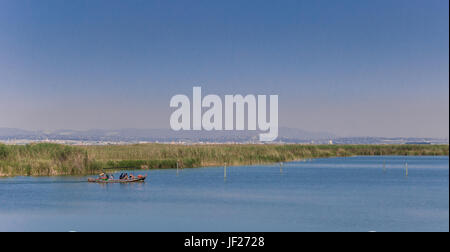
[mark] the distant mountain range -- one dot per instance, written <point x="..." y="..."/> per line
<point x="288" y="135"/>
<point x="163" y="135"/>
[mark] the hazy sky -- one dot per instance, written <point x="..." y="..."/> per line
<point x="353" y="68"/>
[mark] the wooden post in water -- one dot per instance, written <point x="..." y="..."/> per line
<point x="177" y="168"/>
<point x="281" y="167"/>
<point x="406" y="169"/>
<point x="225" y="171"/>
<point x="384" y="166"/>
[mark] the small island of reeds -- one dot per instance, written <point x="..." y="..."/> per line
<point x="47" y="159"/>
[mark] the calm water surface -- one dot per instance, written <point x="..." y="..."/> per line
<point x="336" y="194"/>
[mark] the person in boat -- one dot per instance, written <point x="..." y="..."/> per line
<point x="102" y="176"/>
<point x="124" y="176"/>
<point x="131" y="176"/>
<point x="111" y="177"/>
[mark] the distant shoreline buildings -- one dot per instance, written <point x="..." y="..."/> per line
<point x="336" y="141"/>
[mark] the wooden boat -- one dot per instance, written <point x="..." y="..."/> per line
<point x="103" y="181"/>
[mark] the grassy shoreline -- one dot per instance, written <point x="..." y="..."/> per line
<point x="47" y="159"/>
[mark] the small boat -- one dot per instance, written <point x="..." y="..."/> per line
<point x="104" y="181"/>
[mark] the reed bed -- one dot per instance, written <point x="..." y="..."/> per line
<point x="46" y="159"/>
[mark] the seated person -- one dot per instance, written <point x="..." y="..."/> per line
<point x="102" y="176"/>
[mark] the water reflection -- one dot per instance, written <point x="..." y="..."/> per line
<point x="337" y="194"/>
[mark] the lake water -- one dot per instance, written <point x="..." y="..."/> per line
<point x="336" y="194"/>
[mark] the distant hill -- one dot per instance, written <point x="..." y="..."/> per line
<point x="13" y="132"/>
<point x="132" y="134"/>
<point x="287" y="135"/>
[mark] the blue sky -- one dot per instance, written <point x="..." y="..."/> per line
<point x="353" y="68"/>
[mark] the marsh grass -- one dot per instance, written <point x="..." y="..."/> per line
<point x="45" y="159"/>
<point x="42" y="160"/>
